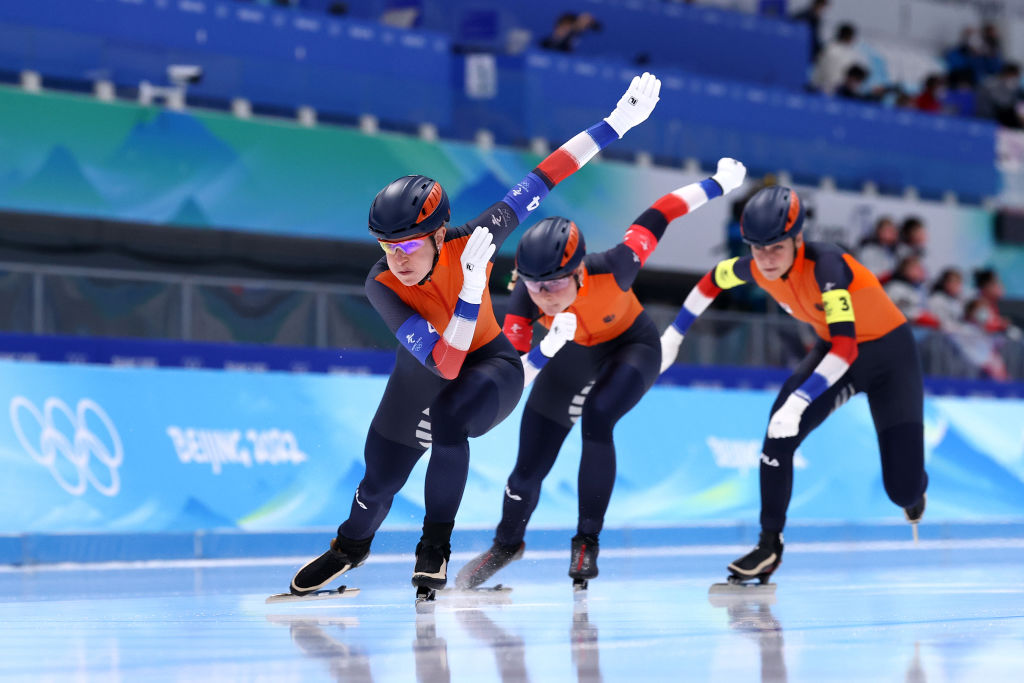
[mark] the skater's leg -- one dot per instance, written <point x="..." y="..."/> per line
<point x="388" y="465"/>
<point x="618" y="388"/>
<point x="896" y="398"/>
<point x="470" y="405"/>
<point x="539" y="442"/>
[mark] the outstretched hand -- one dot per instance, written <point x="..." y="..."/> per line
<point x="730" y="174"/>
<point x="636" y="104"/>
<point x="474" y="258"/>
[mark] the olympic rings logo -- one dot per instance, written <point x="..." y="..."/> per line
<point x="73" y="470"/>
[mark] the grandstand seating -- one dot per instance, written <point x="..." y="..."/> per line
<point x="282" y="59"/>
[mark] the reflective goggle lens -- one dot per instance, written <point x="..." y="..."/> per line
<point x="408" y="247"/>
<point x="557" y="285"/>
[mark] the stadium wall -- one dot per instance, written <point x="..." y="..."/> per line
<point x="114" y="463"/>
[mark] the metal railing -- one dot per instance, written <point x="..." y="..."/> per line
<point x="106" y="302"/>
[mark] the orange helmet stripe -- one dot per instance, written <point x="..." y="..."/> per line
<point x="433" y="199"/>
<point x="794" y="210"/>
<point x="571" y="243"/>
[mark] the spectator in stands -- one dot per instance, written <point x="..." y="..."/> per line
<point x="991" y="49"/>
<point x="812" y="17"/>
<point x="998" y="96"/>
<point x="906" y="288"/>
<point x="979" y="346"/>
<point x="852" y="87"/>
<point x="913" y="238"/>
<point x="932" y="94"/>
<point x="960" y="99"/>
<point x="986" y="311"/>
<point x="835" y="59"/>
<point x="946" y="301"/>
<point x="568" y="29"/>
<point x="878" y="250"/>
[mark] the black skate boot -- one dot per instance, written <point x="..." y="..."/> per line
<point x="914" y="512"/>
<point x="344" y="554"/>
<point x="487" y="563"/>
<point x="432" y="553"/>
<point x="760" y="562"/>
<point x="583" y="560"/>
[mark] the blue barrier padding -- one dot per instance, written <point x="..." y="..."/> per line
<point x="272" y="56"/>
<point x="347" y="67"/>
<point x="42" y="549"/>
<point x="252" y="357"/>
<point x="768" y="128"/>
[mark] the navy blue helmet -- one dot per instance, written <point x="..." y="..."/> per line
<point x="411" y="206"/>
<point x="772" y="215"/>
<point x="551" y="249"/>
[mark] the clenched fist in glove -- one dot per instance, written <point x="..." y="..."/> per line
<point x="636" y="105"/>
<point x="671" y="339"/>
<point x="563" y="329"/>
<point x="786" y="420"/>
<point x="730" y="174"/>
<point x="475" y="255"/>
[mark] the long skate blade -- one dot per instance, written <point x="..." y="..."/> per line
<point x="914" y="530"/>
<point x="478" y="590"/>
<point x="330" y="594"/>
<point x="725" y="594"/>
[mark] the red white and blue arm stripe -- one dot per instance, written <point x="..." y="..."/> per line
<point x="645" y="232"/>
<point x="726" y="275"/>
<point x="529" y="192"/>
<point x="443" y="354"/>
<point x="833" y="276"/>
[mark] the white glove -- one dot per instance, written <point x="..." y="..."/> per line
<point x="730" y="174"/>
<point x="671" y="338"/>
<point x="475" y="255"/>
<point x="636" y="105"/>
<point x="563" y="329"/>
<point x="786" y="420"/>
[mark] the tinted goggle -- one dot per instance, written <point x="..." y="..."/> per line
<point x="556" y="285"/>
<point x="407" y="247"/>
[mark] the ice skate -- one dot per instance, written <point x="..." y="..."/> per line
<point x="432" y="553"/>
<point x="486" y="564"/>
<point x="757" y="565"/>
<point x="583" y="560"/>
<point x="343" y="555"/>
<point x="914" y="512"/>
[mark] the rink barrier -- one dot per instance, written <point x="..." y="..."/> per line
<point x="48" y="549"/>
<point x="212" y="355"/>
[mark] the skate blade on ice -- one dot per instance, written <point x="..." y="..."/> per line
<point x="482" y="595"/>
<point x="329" y="594"/>
<point x="725" y="594"/>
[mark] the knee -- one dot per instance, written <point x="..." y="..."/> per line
<point x="448" y="424"/>
<point x="599" y="418"/>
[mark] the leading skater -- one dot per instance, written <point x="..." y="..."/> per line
<point x="455" y="374"/>
<point x="865" y="345"/>
<point x="599" y="358"/>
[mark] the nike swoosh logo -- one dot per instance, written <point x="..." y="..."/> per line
<point x="511" y="495"/>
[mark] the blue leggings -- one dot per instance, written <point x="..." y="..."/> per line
<point x="889" y="372"/>
<point x="597" y="385"/>
<point x="420" y="410"/>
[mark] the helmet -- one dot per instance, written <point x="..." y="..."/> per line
<point x="772" y="215"/>
<point x="411" y="206"/>
<point x="551" y="249"/>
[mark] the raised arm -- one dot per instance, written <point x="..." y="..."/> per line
<point x="625" y="260"/>
<point x="526" y="196"/>
<point x="726" y="275"/>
